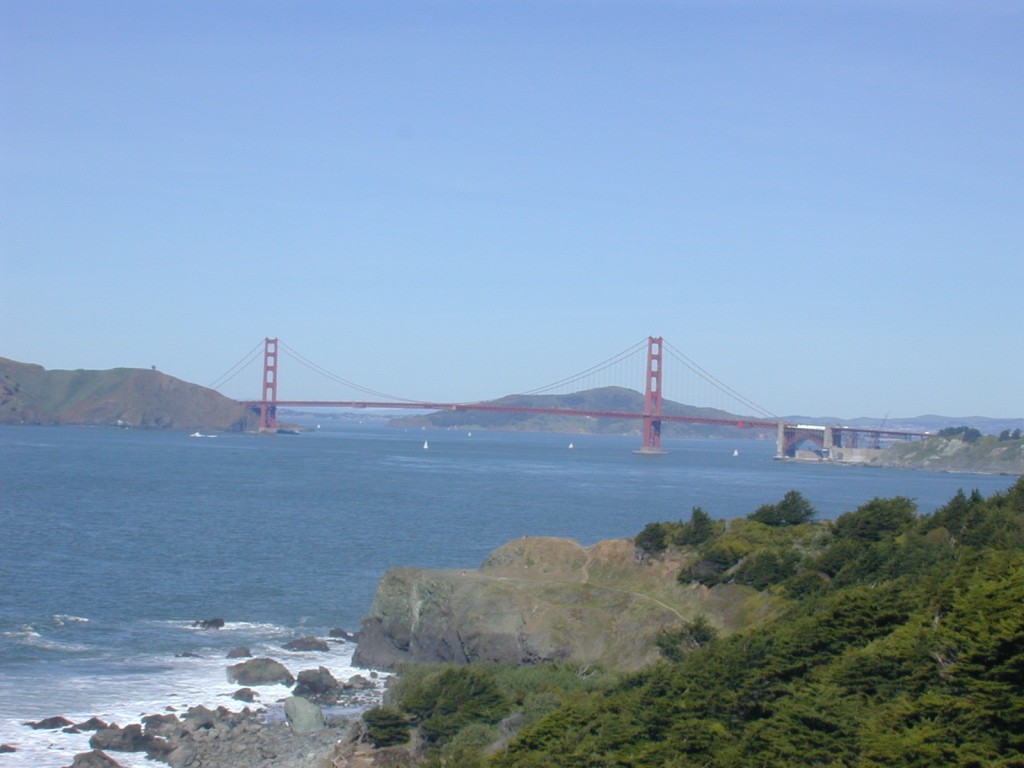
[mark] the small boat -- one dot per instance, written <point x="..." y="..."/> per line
<point x="571" y="446"/>
<point x="735" y="452"/>
<point x="426" y="445"/>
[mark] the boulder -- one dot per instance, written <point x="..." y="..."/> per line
<point x="240" y="652"/>
<point x="358" y="683"/>
<point x="92" y="724"/>
<point x="5" y="748"/>
<point x="342" y="634"/>
<point x="308" y="643"/>
<point x="260" y="671"/>
<point x="200" y="718"/>
<point x="216" y="623"/>
<point x="247" y="695"/>
<point x="114" y="737"/>
<point x="318" y="685"/>
<point x="161" y="725"/>
<point x="94" y="759"/>
<point x="50" y="723"/>
<point x="303" y="715"/>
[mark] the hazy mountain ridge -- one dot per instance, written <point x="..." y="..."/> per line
<point x="616" y="399"/>
<point x="627" y="400"/>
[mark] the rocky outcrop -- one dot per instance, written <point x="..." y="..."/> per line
<point x="221" y="738"/>
<point x="308" y="643"/>
<point x="544" y="599"/>
<point x="987" y="454"/>
<point x="260" y="671"/>
<point x="318" y="685"/>
<point x="94" y="759"/>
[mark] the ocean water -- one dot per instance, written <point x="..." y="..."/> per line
<point x="113" y="542"/>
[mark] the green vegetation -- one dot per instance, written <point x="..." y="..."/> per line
<point x="901" y="643"/>
<point x="967" y="434"/>
<point x="455" y="714"/>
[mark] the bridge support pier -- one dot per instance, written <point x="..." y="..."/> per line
<point x="268" y="405"/>
<point x="652" y="401"/>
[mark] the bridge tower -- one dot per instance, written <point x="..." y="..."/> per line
<point x="268" y="405"/>
<point x="652" y="400"/>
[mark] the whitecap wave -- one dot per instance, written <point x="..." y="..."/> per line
<point x="125" y="690"/>
<point x="28" y="636"/>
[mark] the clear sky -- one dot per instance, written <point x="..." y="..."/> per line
<point x="821" y="203"/>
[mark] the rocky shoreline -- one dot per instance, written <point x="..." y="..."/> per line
<point x="316" y="726"/>
<point x="205" y="738"/>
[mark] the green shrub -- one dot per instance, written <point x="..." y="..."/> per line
<point x="386" y="727"/>
<point x="794" y="509"/>
<point x="443" y="702"/>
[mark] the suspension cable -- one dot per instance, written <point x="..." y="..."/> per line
<point x="339" y="380"/>
<point x="721" y="386"/>
<point x="237" y="368"/>
<point x="589" y="371"/>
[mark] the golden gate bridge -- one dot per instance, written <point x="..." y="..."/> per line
<point x="826" y="441"/>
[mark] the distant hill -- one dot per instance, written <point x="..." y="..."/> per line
<point x="601" y="399"/>
<point x="925" y="423"/>
<point x="125" y="397"/>
<point x="955" y="454"/>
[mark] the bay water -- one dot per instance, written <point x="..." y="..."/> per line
<point x="114" y="542"/>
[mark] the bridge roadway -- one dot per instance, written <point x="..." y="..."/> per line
<point x="527" y="409"/>
<point x="831" y="443"/>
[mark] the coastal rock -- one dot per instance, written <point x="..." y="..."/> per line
<point x="260" y="671"/>
<point x="308" y="643"/>
<point x="200" y="718"/>
<point x="358" y="683"/>
<point x="239" y="652"/>
<point x="303" y="715"/>
<point x="222" y="738"/>
<point x="542" y="600"/>
<point x="50" y="723"/>
<point x="216" y="623"/>
<point x="6" y="748"/>
<point x="247" y="695"/>
<point x="92" y="724"/>
<point x="94" y="759"/>
<point x="317" y="685"/>
<point x="161" y="725"/>
<point x="118" y="739"/>
<point x="342" y="634"/>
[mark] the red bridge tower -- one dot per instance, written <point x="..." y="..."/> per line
<point x="268" y="405"/>
<point x="652" y="400"/>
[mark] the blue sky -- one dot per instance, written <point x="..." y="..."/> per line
<point x="820" y="203"/>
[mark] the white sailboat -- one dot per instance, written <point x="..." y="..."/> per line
<point x="735" y="452"/>
<point x="426" y="445"/>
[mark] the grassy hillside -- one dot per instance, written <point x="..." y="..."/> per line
<point x="127" y="397"/>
